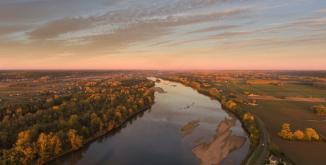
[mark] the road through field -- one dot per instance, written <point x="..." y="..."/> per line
<point x="260" y="154"/>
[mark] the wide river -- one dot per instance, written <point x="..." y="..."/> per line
<point x="182" y="127"/>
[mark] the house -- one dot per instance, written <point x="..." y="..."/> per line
<point x="272" y="160"/>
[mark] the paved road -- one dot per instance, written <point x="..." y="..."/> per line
<point x="262" y="151"/>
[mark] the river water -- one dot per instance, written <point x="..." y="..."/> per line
<point x="155" y="137"/>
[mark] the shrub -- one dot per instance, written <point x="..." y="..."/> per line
<point x="319" y="109"/>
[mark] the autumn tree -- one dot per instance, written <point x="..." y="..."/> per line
<point x="248" y="117"/>
<point x="56" y="144"/>
<point x="49" y="145"/>
<point x="285" y="132"/>
<point x="298" y="135"/>
<point x="24" y="147"/>
<point x="75" y="140"/>
<point x="311" y="134"/>
<point x="231" y="105"/>
<point x="24" y="137"/>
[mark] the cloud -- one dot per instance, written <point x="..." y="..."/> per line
<point x="58" y="27"/>
<point x="309" y="23"/>
<point x="154" y="28"/>
<point x="34" y="11"/>
<point x="55" y="36"/>
<point x="323" y="10"/>
<point x="134" y="11"/>
<point x="123" y="37"/>
<point x="277" y="42"/>
<point x="214" y="29"/>
<point x="215" y="37"/>
<point x="8" y="29"/>
<point x="226" y="35"/>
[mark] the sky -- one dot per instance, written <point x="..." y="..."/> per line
<point x="163" y="34"/>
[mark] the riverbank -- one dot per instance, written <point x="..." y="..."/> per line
<point x="96" y="137"/>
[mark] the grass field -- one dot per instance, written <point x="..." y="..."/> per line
<point x="299" y="115"/>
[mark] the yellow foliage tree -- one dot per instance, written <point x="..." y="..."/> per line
<point x="48" y="145"/>
<point x="42" y="144"/>
<point x="248" y="117"/>
<point x="75" y="140"/>
<point x="311" y="134"/>
<point x="298" y="135"/>
<point x="56" y="144"/>
<point x="24" y="137"/>
<point x="24" y="146"/>
<point x="285" y="132"/>
<point x="231" y="104"/>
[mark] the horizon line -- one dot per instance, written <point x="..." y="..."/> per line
<point x="87" y="69"/>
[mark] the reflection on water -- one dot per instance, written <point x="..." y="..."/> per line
<point x="154" y="137"/>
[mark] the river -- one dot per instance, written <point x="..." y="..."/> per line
<point x="182" y="127"/>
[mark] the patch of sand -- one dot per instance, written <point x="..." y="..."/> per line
<point x="189" y="106"/>
<point x="189" y="127"/>
<point x="221" y="146"/>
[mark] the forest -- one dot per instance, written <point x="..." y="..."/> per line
<point x="51" y="124"/>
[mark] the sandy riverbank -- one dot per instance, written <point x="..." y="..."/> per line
<point x="221" y="146"/>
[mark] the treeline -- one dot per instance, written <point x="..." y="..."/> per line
<point x="309" y="134"/>
<point x="36" y="132"/>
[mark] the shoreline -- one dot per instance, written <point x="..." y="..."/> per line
<point x="113" y="130"/>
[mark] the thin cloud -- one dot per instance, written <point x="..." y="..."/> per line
<point x="58" y="27"/>
<point x="8" y="29"/>
<point x="323" y="10"/>
<point x="214" y="29"/>
<point x="153" y="29"/>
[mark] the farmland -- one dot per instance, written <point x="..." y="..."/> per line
<point x="274" y="98"/>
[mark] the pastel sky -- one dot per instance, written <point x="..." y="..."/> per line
<point x="163" y="34"/>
